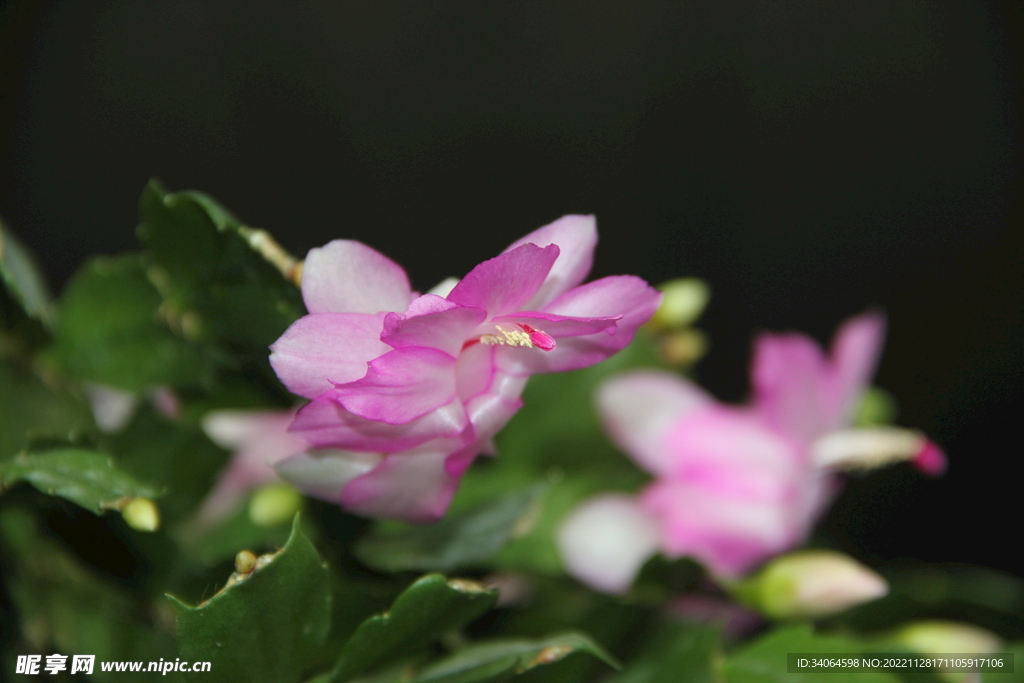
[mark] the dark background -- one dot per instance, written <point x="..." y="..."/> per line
<point x="809" y="159"/>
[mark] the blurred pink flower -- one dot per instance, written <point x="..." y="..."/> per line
<point x="258" y="439"/>
<point x="735" y="485"/>
<point x="408" y="389"/>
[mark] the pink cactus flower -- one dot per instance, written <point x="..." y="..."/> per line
<point x="258" y="439"/>
<point x="734" y="485"/>
<point x="407" y="389"/>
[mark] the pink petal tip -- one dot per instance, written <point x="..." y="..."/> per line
<point x="931" y="459"/>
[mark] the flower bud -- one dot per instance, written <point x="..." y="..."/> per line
<point x="141" y="514"/>
<point x="273" y="505"/>
<point x="877" y="407"/>
<point x="868" y="448"/>
<point x="245" y="562"/>
<point x="683" y="347"/>
<point x="947" y="636"/>
<point x="683" y="301"/>
<point x="811" y="583"/>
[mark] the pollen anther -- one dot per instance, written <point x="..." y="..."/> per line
<point x="508" y="337"/>
<point x="519" y="335"/>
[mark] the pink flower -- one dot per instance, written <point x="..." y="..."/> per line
<point x="735" y="485"/>
<point x="258" y="440"/>
<point x="408" y="389"/>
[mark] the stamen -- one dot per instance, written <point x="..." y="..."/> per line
<point x="525" y="335"/>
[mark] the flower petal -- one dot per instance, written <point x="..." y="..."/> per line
<point x="506" y="282"/>
<point x="790" y="378"/>
<point x="856" y="349"/>
<point x="576" y="237"/>
<point x="413" y="485"/>
<point x="489" y="413"/>
<point x="866" y="448"/>
<point x="728" y="451"/>
<point x="323" y="348"/>
<point x="401" y="385"/>
<point x="625" y="297"/>
<point x="559" y="326"/>
<point x="605" y="541"/>
<point x="728" y="535"/>
<point x="736" y="491"/>
<point x="226" y="495"/>
<point x="267" y="429"/>
<point x="433" y="322"/>
<point x="444" y="287"/>
<point x="324" y="423"/>
<point x="111" y="408"/>
<point x="931" y="459"/>
<point x="259" y="438"/>
<point x="640" y="407"/>
<point x="345" y="276"/>
<point x="324" y="474"/>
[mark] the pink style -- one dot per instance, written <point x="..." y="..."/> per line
<point x="735" y="485"/>
<point x="408" y="389"/>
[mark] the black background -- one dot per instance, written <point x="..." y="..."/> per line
<point x="809" y="159"/>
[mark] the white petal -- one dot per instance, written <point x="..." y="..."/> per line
<point x="605" y="541"/>
<point x="324" y="473"/>
<point x="345" y="276"/>
<point x="231" y="429"/>
<point x="413" y="485"/>
<point x="111" y="407"/>
<point x="445" y="286"/>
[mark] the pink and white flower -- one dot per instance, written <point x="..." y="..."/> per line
<point x="734" y="485"/>
<point x="407" y="389"/>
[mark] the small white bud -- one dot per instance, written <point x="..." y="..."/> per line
<point x="810" y="584"/>
<point x="273" y="505"/>
<point x="683" y="301"/>
<point x="947" y="636"/>
<point x="141" y="514"/>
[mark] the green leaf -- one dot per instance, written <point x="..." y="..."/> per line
<point x="65" y="607"/>
<point x="266" y="626"/>
<point x="764" y="660"/>
<point x="215" y="275"/>
<point x="110" y="330"/>
<point x="30" y="409"/>
<point x="680" y="654"/>
<point x="426" y="610"/>
<point x="459" y="540"/>
<point x="500" y="660"/>
<point x="22" y="277"/>
<point x="82" y="476"/>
